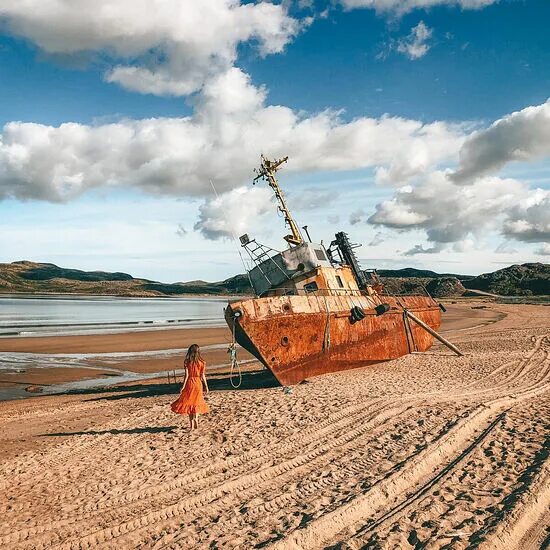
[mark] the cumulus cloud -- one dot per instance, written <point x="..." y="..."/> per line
<point x="415" y="45"/>
<point x="544" y="250"/>
<point x="447" y="212"/>
<point x="166" y="47"/>
<point x="529" y="220"/>
<point x="519" y="136"/>
<point x="452" y="205"/>
<point x="221" y="142"/>
<point x="401" y="7"/>
<point x="234" y="212"/>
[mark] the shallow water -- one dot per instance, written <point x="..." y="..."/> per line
<point x="59" y="315"/>
<point x="14" y="362"/>
<point x="33" y="316"/>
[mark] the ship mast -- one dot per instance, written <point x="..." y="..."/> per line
<point x="267" y="172"/>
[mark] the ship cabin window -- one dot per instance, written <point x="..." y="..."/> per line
<point x="339" y="281"/>
<point x="311" y="287"/>
<point x="320" y="254"/>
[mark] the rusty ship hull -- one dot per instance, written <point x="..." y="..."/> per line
<point x="297" y="337"/>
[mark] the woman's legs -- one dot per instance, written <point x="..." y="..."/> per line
<point x="192" y="420"/>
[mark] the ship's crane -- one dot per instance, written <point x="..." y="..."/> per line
<point x="343" y="246"/>
<point x="267" y="172"/>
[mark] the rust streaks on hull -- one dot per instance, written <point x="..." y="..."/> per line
<point x="297" y="337"/>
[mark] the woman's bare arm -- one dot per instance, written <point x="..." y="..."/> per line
<point x="205" y="382"/>
<point x="185" y="379"/>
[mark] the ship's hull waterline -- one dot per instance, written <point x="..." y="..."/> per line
<point x="298" y="337"/>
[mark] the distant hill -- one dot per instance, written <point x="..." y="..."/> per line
<point x="41" y="278"/>
<point x="411" y="272"/>
<point x="438" y="287"/>
<point x="516" y="280"/>
<point x="46" y="272"/>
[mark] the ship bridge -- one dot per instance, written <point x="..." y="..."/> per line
<point x="305" y="268"/>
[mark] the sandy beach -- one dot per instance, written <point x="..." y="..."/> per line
<point x="427" y="451"/>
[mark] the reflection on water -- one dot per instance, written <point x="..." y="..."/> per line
<point x="61" y="315"/>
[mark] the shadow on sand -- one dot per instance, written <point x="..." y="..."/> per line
<point x="152" y="430"/>
<point x="216" y="382"/>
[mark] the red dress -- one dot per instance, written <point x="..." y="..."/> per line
<point x="191" y="399"/>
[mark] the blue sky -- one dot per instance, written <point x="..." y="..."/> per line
<point x="424" y="133"/>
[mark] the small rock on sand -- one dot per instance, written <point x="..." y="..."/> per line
<point x="34" y="389"/>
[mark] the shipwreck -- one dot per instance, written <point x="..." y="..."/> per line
<point x="317" y="311"/>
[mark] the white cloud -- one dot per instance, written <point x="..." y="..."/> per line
<point x="221" y="142"/>
<point x="529" y="220"/>
<point x="401" y="7"/>
<point x="450" y="213"/>
<point x="464" y="245"/>
<point x="519" y="136"/>
<point x="544" y="250"/>
<point x="167" y="47"/>
<point x="233" y="213"/>
<point x="415" y="45"/>
<point x="450" y="206"/>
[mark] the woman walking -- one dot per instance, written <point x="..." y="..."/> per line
<point x="191" y="400"/>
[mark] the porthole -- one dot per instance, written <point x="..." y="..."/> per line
<point x="284" y="341"/>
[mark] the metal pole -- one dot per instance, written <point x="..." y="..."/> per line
<point x="433" y="332"/>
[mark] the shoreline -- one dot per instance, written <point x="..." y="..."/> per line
<point x="61" y="362"/>
<point x="67" y="362"/>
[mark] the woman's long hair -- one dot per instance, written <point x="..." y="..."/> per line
<point x="193" y="355"/>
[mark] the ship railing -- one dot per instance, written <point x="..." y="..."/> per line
<point x="313" y="292"/>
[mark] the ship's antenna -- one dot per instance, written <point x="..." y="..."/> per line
<point x="267" y="172"/>
<point x="234" y="238"/>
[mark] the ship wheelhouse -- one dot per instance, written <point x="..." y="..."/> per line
<point x="303" y="269"/>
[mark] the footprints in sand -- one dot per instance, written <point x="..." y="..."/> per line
<point x="420" y="452"/>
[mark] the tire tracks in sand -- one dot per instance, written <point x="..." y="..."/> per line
<point x="393" y="494"/>
<point x="127" y="515"/>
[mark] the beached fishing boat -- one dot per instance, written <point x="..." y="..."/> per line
<point x="316" y="311"/>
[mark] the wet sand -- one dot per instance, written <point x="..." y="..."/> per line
<point x="430" y="450"/>
<point x="119" y="343"/>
